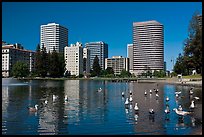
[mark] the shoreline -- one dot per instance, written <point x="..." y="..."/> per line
<point x="185" y="82"/>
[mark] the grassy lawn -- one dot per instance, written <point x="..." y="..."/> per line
<point x="193" y="76"/>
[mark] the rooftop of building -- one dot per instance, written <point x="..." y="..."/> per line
<point x="146" y="23"/>
<point x="11" y="46"/>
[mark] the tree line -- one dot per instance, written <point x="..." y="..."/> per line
<point x="191" y="59"/>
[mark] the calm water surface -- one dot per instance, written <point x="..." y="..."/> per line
<point x="90" y="112"/>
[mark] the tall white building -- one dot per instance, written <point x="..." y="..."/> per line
<point x="148" y="46"/>
<point x="53" y="36"/>
<point x="117" y="63"/>
<point x="13" y="53"/>
<point x="130" y="56"/>
<point x="74" y="58"/>
<point x="99" y="49"/>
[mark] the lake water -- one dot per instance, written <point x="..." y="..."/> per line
<point x="95" y="113"/>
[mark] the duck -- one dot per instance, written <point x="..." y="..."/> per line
<point x="66" y="98"/>
<point x="167" y="110"/>
<point x="181" y="113"/>
<point x="136" y="108"/>
<point x="151" y="111"/>
<point x="33" y="109"/>
<point x="167" y="99"/>
<point x="192" y="106"/>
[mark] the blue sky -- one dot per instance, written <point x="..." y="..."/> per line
<point x="110" y="22"/>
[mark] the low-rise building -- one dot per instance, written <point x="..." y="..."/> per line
<point x="13" y="53"/>
<point x="117" y="63"/>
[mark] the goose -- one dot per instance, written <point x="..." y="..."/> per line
<point x="192" y="106"/>
<point x="66" y="98"/>
<point x="131" y="99"/>
<point x="181" y="113"/>
<point x="180" y="108"/>
<point x="150" y="91"/>
<point x="123" y="94"/>
<point x="126" y="101"/>
<point x="167" y="98"/>
<point x="33" y="109"/>
<point x="136" y="108"/>
<point x="167" y="110"/>
<point x="151" y="111"/>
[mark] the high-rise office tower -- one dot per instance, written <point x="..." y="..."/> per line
<point x="130" y="56"/>
<point x="148" y="46"/>
<point x="99" y="49"/>
<point x="53" y="36"/>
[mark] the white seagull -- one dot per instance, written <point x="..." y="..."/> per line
<point x="150" y="91"/>
<point x="66" y="98"/>
<point x="54" y="97"/>
<point x="196" y="98"/>
<point x="126" y="101"/>
<point x="130" y="92"/>
<point x="157" y="96"/>
<point x="192" y="106"/>
<point x="191" y="91"/>
<point x="131" y="99"/>
<point x="136" y="108"/>
<point x="46" y="102"/>
<point x="167" y="99"/>
<point x="167" y="110"/>
<point x="151" y="111"/>
<point x="181" y="113"/>
<point x="145" y="93"/>
<point x="123" y="94"/>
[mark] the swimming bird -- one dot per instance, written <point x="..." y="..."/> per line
<point x="177" y="93"/>
<point x="192" y="106"/>
<point x="145" y="93"/>
<point x="167" y="110"/>
<point x="66" y="98"/>
<point x="126" y="101"/>
<point x="33" y="109"/>
<point x="191" y="91"/>
<point x="100" y="89"/>
<point x="157" y="96"/>
<point x="123" y="94"/>
<point x="130" y="92"/>
<point x="181" y="113"/>
<point x="151" y="111"/>
<point x="54" y="97"/>
<point x="131" y="99"/>
<point x="180" y="108"/>
<point x="136" y="108"/>
<point x="150" y="91"/>
<point x="167" y="99"/>
<point x="46" y="102"/>
<point x="196" y="98"/>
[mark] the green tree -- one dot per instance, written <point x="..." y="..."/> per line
<point x="61" y="64"/>
<point x="54" y="66"/>
<point x="110" y="70"/>
<point x="96" y="67"/>
<point x="180" y="66"/>
<point x="125" y="73"/>
<point x="38" y="60"/>
<point x="20" y="69"/>
<point x="193" y="45"/>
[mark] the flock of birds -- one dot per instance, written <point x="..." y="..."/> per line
<point x="54" y="97"/>
<point x="179" y="111"/>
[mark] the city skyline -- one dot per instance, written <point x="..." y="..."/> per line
<point x="110" y="22"/>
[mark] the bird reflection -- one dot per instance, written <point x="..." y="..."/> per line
<point x="193" y="121"/>
<point x="136" y="118"/>
<point x="180" y="121"/>
<point x="126" y="110"/>
<point x="151" y="117"/>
